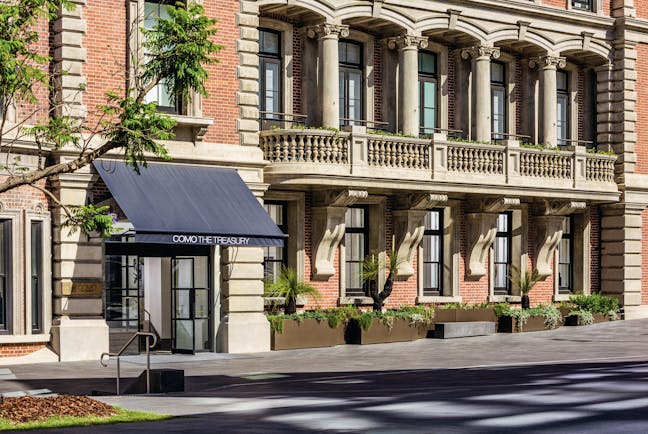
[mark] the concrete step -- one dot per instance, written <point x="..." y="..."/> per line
<point x="449" y="330"/>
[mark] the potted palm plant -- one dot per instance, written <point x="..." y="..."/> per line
<point x="525" y="281"/>
<point x="370" y="268"/>
<point x="289" y="286"/>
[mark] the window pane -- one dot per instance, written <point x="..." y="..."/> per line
<point x="272" y="85"/>
<point x="5" y="276"/>
<point x="428" y="109"/>
<point x="354" y="217"/>
<point x="427" y="63"/>
<point x="564" y="251"/>
<point x="269" y="42"/>
<point x="497" y="72"/>
<point x="501" y="275"/>
<point x="36" y="273"/>
<point x="562" y="81"/>
<point x="355" y="95"/>
<point x="502" y="223"/>
<point x="566" y="225"/>
<point x="563" y="117"/>
<point x="499" y="109"/>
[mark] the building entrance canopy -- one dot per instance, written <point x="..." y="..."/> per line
<point x="189" y="206"/>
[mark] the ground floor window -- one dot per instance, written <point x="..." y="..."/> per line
<point x="5" y="273"/>
<point x="275" y="257"/>
<point x="433" y="254"/>
<point x="356" y="245"/>
<point x="502" y="254"/>
<point x="566" y="258"/>
<point x="122" y="295"/>
<point x="36" y="233"/>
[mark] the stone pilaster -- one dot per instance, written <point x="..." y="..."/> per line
<point x="623" y="106"/>
<point x="408" y="108"/>
<point x="623" y="8"/>
<point x="78" y="332"/>
<point x="329" y="85"/>
<point x="69" y="57"/>
<point x="244" y="327"/>
<point x="481" y="71"/>
<point x="548" y="66"/>
<point x="621" y="252"/>
<point x="247" y="72"/>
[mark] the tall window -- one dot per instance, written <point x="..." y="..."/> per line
<point x="502" y="255"/>
<point x="562" y="85"/>
<point x="583" y="5"/>
<point x="5" y="273"/>
<point x="566" y="258"/>
<point x="350" y="56"/>
<point x="275" y="257"/>
<point x="433" y="254"/>
<point x="498" y="99"/>
<point x="270" y="70"/>
<point x="356" y="244"/>
<point x="36" y="276"/>
<point x="427" y="69"/>
<point x="159" y="94"/>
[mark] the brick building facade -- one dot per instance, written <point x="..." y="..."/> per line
<point x="468" y="138"/>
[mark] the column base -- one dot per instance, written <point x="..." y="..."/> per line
<point x="636" y="312"/>
<point x="79" y="339"/>
<point x="244" y="333"/>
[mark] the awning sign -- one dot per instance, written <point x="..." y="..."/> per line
<point x="206" y="240"/>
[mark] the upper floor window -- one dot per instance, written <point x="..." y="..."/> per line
<point x="583" y="5"/>
<point x="498" y="99"/>
<point x="351" y="83"/>
<point x="566" y="257"/>
<point x="563" y="124"/>
<point x="160" y="94"/>
<point x="270" y="75"/>
<point x="502" y="255"/>
<point x="356" y="245"/>
<point x="427" y="72"/>
<point x="275" y="257"/>
<point x="5" y="273"/>
<point x="433" y="254"/>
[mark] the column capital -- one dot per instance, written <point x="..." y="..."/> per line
<point x="547" y="62"/>
<point x="324" y="30"/>
<point x="407" y="41"/>
<point x="480" y="51"/>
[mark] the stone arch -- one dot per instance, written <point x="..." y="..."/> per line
<point x="320" y="8"/>
<point x="365" y="11"/>
<point x="588" y="51"/>
<point x="512" y="35"/>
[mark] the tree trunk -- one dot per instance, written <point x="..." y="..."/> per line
<point x="379" y="299"/>
<point x="525" y="302"/>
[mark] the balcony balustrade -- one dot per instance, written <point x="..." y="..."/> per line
<point x="359" y="154"/>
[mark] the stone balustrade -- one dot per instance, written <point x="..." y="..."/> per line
<point x="375" y="157"/>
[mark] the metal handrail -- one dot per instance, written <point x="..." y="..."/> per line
<point x="121" y="351"/>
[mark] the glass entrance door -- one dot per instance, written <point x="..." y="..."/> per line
<point x="190" y="310"/>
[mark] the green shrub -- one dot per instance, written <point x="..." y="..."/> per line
<point x="595" y="303"/>
<point x="551" y="314"/>
<point x="334" y="317"/>
<point x="585" y="317"/>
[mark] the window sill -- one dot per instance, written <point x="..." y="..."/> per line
<point x="562" y="297"/>
<point x="505" y="299"/>
<point x="438" y="299"/>
<point x="197" y="127"/>
<point x="355" y="301"/>
<point x="280" y="301"/>
<point x="24" y="339"/>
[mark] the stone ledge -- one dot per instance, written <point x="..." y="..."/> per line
<point x="450" y="330"/>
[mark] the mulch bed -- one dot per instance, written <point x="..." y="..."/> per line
<point x="29" y="408"/>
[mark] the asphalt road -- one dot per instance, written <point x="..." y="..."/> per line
<point x="586" y="380"/>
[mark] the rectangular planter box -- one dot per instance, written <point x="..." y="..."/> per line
<point x="465" y="315"/>
<point x="508" y="324"/>
<point x="310" y="333"/>
<point x="572" y="320"/>
<point x="380" y="333"/>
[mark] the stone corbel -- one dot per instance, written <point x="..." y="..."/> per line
<point x="409" y="228"/>
<point x="587" y="39"/>
<point x="523" y="26"/>
<point x="453" y="17"/>
<point x="329" y="228"/>
<point x="482" y="229"/>
<point x="548" y="235"/>
<point x="500" y="204"/>
<point x="559" y="208"/>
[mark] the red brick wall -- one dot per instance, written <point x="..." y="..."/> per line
<point x="641" y="147"/>
<point x="607" y="7"/>
<point x="17" y="350"/>
<point x="543" y="292"/>
<point x="24" y="197"/>
<point x="471" y="290"/>
<point x="556" y="3"/>
<point x="641" y="7"/>
<point x="595" y="249"/>
<point x="35" y="113"/>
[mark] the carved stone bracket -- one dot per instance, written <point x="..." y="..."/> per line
<point x="560" y="208"/>
<point x="405" y="41"/>
<point x="329" y="228"/>
<point x="327" y="29"/>
<point x="547" y="62"/>
<point x="420" y="201"/>
<point x="523" y="27"/>
<point x="453" y="17"/>
<point x="409" y="228"/>
<point x="548" y="235"/>
<point x="500" y="204"/>
<point x="480" y="51"/>
<point x="482" y="229"/>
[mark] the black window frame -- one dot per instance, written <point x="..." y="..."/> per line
<point x="284" y="228"/>
<point x="434" y="292"/>
<point x="364" y="230"/>
<point x="265" y="57"/>
<point x="500" y="85"/>
<point x="567" y="236"/>
<point x="583" y="5"/>
<point x="428" y="77"/>
<point x="6" y="292"/>
<point x="508" y="234"/>
<point x="564" y="93"/>
<point x="37" y="277"/>
<point x="345" y="68"/>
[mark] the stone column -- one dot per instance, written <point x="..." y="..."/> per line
<point x="79" y="331"/>
<point x="243" y="328"/>
<point x="329" y="84"/>
<point x="481" y="57"/>
<point x="408" y="107"/>
<point x="548" y="66"/>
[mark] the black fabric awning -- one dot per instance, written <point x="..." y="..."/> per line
<point x="189" y="205"/>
